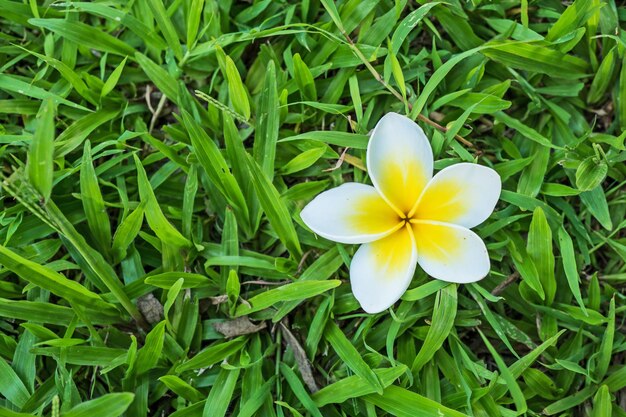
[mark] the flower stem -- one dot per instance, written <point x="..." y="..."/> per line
<point x="393" y="91"/>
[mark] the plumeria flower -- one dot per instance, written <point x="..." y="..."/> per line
<point x="408" y="216"/>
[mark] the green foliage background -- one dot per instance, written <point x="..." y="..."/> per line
<point x="155" y="155"/>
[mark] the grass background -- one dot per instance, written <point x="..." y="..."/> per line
<point x="155" y="155"/>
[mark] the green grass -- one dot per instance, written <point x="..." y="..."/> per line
<point x="156" y="154"/>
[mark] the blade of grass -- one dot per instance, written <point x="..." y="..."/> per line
<point x="40" y="156"/>
<point x="350" y="356"/>
<point x="299" y="290"/>
<point x="274" y="208"/>
<point x="86" y="35"/>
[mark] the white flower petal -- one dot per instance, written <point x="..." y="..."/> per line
<point x="450" y="253"/>
<point x="463" y="194"/>
<point x="399" y="160"/>
<point x="350" y="213"/>
<point x="381" y="271"/>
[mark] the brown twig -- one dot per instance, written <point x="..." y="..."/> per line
<point x="148" y="98"/>
<point x="443" y="129"/>
<point x="157" y="112"/>
<point x="508" y="281"/>
<point x="304" y="258"/>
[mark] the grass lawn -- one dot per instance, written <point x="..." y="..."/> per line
<point x="156" y="156"/>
